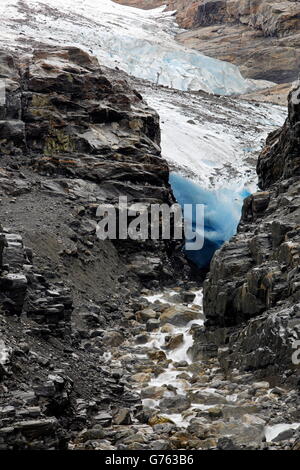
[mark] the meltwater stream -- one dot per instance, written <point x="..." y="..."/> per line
<point x="179" y="354"/>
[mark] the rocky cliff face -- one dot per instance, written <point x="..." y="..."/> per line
<point x="72" y="135"/>
<point x="88" y="134"/>
<point x="254" y="278"/>
<point x="261" y="37"/>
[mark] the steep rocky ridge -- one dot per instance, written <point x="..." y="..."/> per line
<point x="261" y="37"/>
<point x="73" y="134"/>
<point x="254" y="278"/>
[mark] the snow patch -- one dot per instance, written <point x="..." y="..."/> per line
<point x="271" y="432"/>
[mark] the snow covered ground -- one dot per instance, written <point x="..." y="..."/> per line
<point x="140" y="42"/>
<point x="210" y="139"/>
<point x="213" y="140"/>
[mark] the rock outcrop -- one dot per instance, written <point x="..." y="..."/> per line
<point x="91" y="136"/>
<point x="254" y="278"/>
<point x="261" y="37"/>
<point x="73" y="135"/>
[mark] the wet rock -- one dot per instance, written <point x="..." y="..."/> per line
<point x="158" y="355"/>
<point x="167" y="328"/>
<point x="157" y="419"/>
<point x="175" y="404"/>
<point x="200" y="429"/>
<point x="260" y="386"/>
<point x="178" y="315"/>
<point x="142" y="339"/>
<point x="152" y="325"/>
<point x="165" y="428"/>
<point x="215" y="412"/>
<point x="237" y="411"/>
<point x="145" y="315"/>
<point x="188" y="297"/>
<point x="141" y="378"/>
<point x="152" y="392"/>
<point x="180" y="440"/>
<point x="225" y="443"/>
<point x="174" y="341"/>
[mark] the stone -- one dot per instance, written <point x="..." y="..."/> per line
<point x="158" y="355"/>
<point x="260" y="385"/>
<point x="33" y="429"/>
<point x="200" y="429"/>
<point x="159" y="444"/>
<point x="175" y="404"/>
<point x="188" y="297"/>
<point x="237" y="411"/>
<point x="174" y="341"/>
<point x="145" y="315"/>
<point x="112" y="338"/>
<point x="14" y="288"/>
<point x="96" y="432"/>
<point x="122" y="416"/>
<point x="284" y="435"/>
<point x="152" y="325"/>
<point x="157" y="419"/>
<point x="142" y="339"/>
<point x="103" y="418"/>
<point x="207" y="398"/>
<point x="141" y="378"/>
<point x="179" y="315"/>
<point x="215" y="412"/>
<point x="167" y="328"/>
<point x="152" y="392"/>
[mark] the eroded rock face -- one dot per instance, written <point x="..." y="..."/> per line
<point x="86" y="129"/>
<point x="255" y="276"/>
<point x="72" y="135"/>
<point x="261" y="37"/>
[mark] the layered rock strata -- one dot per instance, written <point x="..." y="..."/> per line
<point x="254" y="278"/>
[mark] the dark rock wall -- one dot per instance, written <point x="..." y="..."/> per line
<point x="84" y="128"/>
<point x="73" y="134"/>
<point x="255" y="277"/>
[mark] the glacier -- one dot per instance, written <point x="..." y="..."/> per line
<point x="222" y="210"/>
<point x="140" y="42"/>
<point x="210" y="142"/>
<point x="211" y="145"/>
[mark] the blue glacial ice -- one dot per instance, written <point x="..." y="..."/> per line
<point x="222" y="211"/>
<point x="137" y="41"/>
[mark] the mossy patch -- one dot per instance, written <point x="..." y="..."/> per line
<point x="58" y="142"/>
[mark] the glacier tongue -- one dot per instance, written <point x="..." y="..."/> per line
<point x="213" y="140"/>
<point x="140" y="42"/>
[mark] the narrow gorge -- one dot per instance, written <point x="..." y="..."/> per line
<point x="140" y="344"/>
